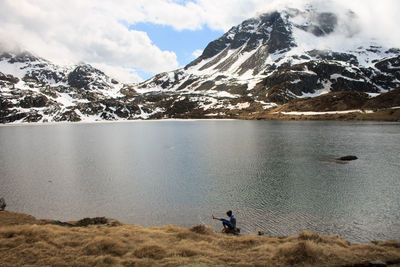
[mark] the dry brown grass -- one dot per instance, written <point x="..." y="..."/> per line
<point x="12" y="218"/>
<point x="392" y="115"/>
<point x="30" y="244"/>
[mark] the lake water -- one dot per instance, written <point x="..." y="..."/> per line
<point x="279" y="177"/>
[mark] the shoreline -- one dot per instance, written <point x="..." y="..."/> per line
<point x="277" y="116"/>
<point x="105" y="121"/>
<point x="24" y="240"/>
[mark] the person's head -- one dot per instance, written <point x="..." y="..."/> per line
<point x="229" y="213"/>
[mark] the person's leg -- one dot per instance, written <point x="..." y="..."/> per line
<point x="226" y="223"/>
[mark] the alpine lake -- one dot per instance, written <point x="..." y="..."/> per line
<point x="280" y="177"/>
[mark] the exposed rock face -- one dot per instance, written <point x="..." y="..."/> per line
<point x="84" y="75"/>
<point x="270" y="29"/>
<point x="30" y="101"/>
<point x="254" y="67"/>
<point x="7" y="79"/>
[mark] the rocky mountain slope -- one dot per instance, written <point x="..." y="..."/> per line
<point x="33" y="89"/>
<point x="255" y="67"/>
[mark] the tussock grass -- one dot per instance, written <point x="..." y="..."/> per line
<point x="130" y="245"/>
<point x="104" y="246"/>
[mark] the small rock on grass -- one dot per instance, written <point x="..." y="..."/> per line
<point x="2" y="204"/>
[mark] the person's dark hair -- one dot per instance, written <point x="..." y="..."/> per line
<point x="229" y="213"/>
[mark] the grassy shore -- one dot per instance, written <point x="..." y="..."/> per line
<point x="26" y="241"/>
<point x="388" y="115"/>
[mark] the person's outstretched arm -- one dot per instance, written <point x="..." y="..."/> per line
<point x="216" y="218"/>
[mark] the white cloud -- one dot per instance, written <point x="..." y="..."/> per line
<point x="120" y="73"/>
<point x="73" y="31"/>
<point x="197" y="53"/>
<point x="97" y="31"/>
<point x="376" y="19"/>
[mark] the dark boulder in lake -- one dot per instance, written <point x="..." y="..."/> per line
<point x="347" y="158"/>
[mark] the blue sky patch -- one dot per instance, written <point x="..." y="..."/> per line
<point x="183" y="43"/>
<point x="144" y="74"/>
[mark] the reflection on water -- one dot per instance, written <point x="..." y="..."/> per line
<point x="276" y="176"/>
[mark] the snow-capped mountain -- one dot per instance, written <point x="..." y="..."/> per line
<point x="34" y="90"/>
<point x="258" y="65"/>
<point x="275" y="58"/>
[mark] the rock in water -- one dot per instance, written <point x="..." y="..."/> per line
<point x="2" y="204"/>
<point x="347" y="158"/>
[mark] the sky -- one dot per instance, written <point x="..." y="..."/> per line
<point x="132" y="40"/>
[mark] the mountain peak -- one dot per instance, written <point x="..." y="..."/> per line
<point x="252" y="33"/>
<point x="20" y="57"/>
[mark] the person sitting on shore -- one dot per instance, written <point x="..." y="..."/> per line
<point x="229" y="226"/>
